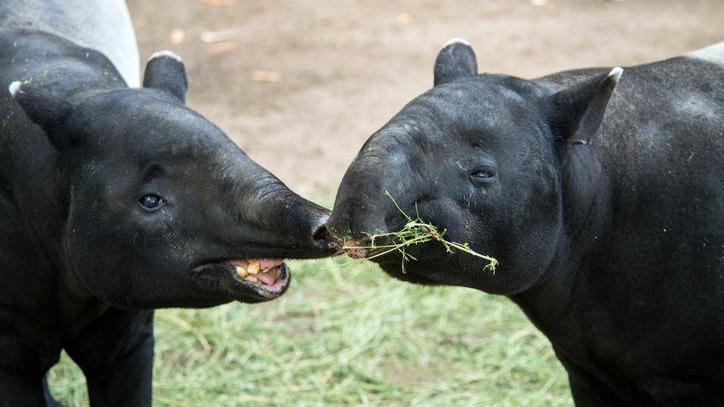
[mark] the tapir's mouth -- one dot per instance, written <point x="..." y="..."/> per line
<point x="269" y="275"/>
<point x="247" y="280"/>
<point x="362" y="248"/>
<point x="378" y="251"/>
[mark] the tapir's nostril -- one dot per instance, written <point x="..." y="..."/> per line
<point x="322" y="238"/>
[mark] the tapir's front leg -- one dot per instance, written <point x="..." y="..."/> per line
<point x="587" y="390"/>
<point x="24" y="390"/>
<point x="23" y="365"/>
<point x="115" y="353"/>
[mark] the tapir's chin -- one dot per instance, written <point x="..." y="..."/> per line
<point x="247" y="280"/>
<point x="392" y="264"/>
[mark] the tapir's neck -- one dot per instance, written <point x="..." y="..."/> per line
<point x="586" y="195"/>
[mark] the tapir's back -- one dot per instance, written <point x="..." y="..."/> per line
<point x="662" y="145"/>
<point x="661" y="259"/>
<point x="665" y="123"/>
<point x="103" y="25"/>
<point x="662" y="141"/>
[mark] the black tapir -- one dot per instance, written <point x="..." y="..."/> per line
<point x="599" y="191"/>
<point x="115" y="201"/>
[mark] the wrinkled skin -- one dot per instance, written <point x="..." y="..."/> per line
<point x="114" y="202"/>
<point x="601" y="197"/>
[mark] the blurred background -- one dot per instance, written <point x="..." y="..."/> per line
<point x="300" y="85"/>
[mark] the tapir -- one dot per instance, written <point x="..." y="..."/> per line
<point x="600" y="192"/>
<point x="116" y="200"/>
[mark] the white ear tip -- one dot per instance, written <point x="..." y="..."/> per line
<point x="616" y="73"/>
<point x="165" y="53"/>
<point x="456" y="41"/>
<point x="14" y="88"/>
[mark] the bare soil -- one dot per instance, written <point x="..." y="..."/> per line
<point x="300" y="85"/>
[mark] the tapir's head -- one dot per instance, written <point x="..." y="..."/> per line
<point x="163" y="209"/>
<point x="480" y="157"/>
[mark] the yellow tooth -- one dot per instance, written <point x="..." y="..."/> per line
<point x="253" y="268"/>
<point x="252" y="279"/>
<point x="241" y="272"/>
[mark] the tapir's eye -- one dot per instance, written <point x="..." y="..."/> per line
<point x="481" y="176"/>
<point x="151" y="201"/>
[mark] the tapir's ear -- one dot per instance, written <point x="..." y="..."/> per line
<point x="166" y="72"/>
<point x="576" y="113"/>
<point x="44" y="109"/>
<point x="455" y="60"/>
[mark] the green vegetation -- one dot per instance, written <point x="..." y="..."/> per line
<point x="348" y="336"/>
<point x="415" y="231"/>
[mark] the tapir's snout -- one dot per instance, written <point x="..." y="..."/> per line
<point x="303" y="225"/>
<point x="354" y="219"/>
<point x="266" y="228"/>
<point x="368" y="198"/>
<point x="267" y="218"/>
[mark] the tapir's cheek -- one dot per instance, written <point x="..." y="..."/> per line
<point x="158" y="222"/>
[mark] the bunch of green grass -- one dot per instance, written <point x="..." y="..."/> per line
<point x="415" y="231"/>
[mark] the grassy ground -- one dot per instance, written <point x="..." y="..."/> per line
<point x="348" y="336"/>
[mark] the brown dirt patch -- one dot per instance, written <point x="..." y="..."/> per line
<point x="343" y="67"/>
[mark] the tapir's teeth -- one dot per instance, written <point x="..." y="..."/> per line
<point x="241" y="272"/>
<point x="253" y="267"/>
<point x="252" y="279"/>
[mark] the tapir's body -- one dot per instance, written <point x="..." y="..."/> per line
<point x="602" y="198"/>
<point x="639" y="316"/>
<point x="116" y="201"/>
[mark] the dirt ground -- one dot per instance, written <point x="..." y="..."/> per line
<point x="300" y="85"/>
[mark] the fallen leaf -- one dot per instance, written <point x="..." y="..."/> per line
<point x="218" y="3"/>
<point x="218" y="36"/>
<point x="177" y="36"/>
<point x="221" y="47"/>
<point x="404" y="18"/>
<point x="265" y="76"/>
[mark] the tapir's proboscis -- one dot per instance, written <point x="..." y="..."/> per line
<point x="115" y="201"/>
<point x="599" y="191"/>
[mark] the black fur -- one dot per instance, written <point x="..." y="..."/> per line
<point x="603" y="203"/>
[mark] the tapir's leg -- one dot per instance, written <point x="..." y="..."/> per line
<point x="23" y="365"/>
<point x="583" y="397"/>
<point x="21" y="390"/>
<point x="115" y="353"/>
<point x="587" y="391"/>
